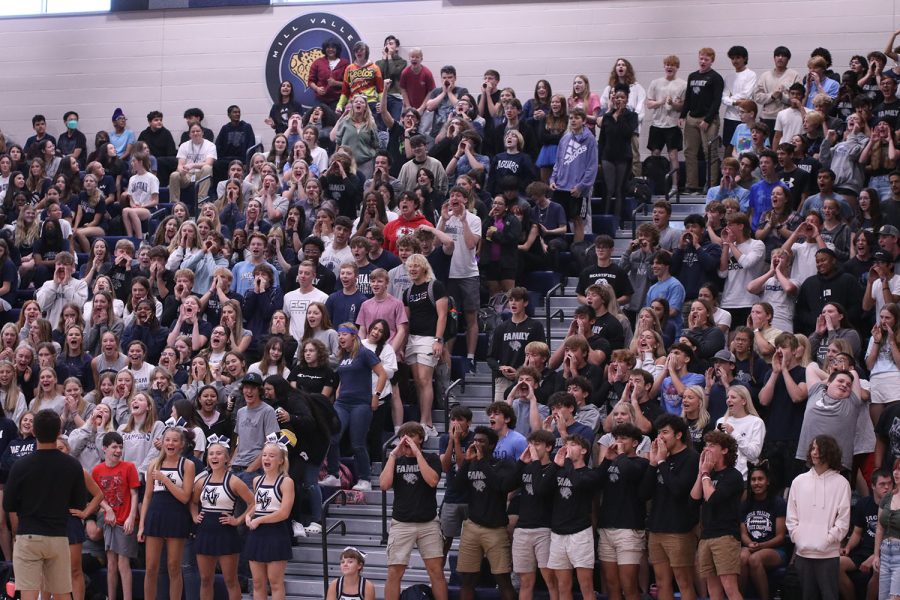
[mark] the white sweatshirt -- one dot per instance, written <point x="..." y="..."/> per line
<point x="818" y="513"/>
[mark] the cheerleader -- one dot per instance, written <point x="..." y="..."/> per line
<point x="269" y="541"/>
<point x="351" y="585"/>
<point x="212" y="508"/>
<point x="75" y="525"/>
<point x="165" y="517"/>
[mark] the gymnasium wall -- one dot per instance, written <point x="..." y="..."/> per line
<point x="170" y="60"/>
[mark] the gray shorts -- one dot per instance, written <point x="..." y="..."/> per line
<point x="116" y="540"/>
<point x="466" y="292"/>
<point x="452" y="517"/>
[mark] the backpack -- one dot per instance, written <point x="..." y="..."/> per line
<point x="452" y="326"/>
<point x="323" y="411"/>
<point x="655" y="169"/>
<point x="420" y="591"/>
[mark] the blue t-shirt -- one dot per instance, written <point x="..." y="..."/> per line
<point x="669" y="397"/>
<point x="551" y="217"/>
<point x="511" y="447"/>
<point x="760" y="199"/>
<point x="121" y="140"/>
<point x="741" y="139"/>
<point x="242" y="273"/>
<point x="343" y="308"/>
<point x="355" y="375"/>
<point x="672" y="290"/>
<point x="575" y="428"/>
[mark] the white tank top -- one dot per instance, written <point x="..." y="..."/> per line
<point x="175" y="475"/>
<point x="268" y="497"/>
<point x="217" y="497"/>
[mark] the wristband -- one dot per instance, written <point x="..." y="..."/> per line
<point x="705" y="477"/>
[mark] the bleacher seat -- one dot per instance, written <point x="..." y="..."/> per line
<point x="542" y="281"/>
<point x="604" y="224"/>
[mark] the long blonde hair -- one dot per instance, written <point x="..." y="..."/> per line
<point x="703" y="417"/>
<point x="744" y="393"/>
<point x="39" y="395"/>
<point x="161" y="457"/>
<point x="283" y="469"/>
<point x="12" y="390"/>
<point x="149" y="420"/>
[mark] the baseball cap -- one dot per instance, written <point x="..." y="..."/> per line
<point x="725" y="355"/>
<point x="889" y="230"/>
<point x="252" y="379"/>
<point x="882" y="256"/>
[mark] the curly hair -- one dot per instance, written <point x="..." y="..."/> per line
<point x="725" y="442"/>
<point x="829" y="452"/>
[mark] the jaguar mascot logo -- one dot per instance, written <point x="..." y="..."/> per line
<point x="298" y="45"/>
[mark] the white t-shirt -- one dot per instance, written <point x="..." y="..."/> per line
<point x="741" y="272"/>
<point x="464" y="262"/>
<point x="333" y="259"/>
<point x="789" y="122"/>
<point x="878" y="295"/>
<point x="142" y="377"/>
<point x="295" y="305"/>
<point x="782" y="304"/>
<point x="197" y="153"/>
<point x="666" y="116"/>
<point x="722" y="317"/>
<point x="142" y="187"/>
<point x="738" y="86"/>
<point x="804" y="265"/>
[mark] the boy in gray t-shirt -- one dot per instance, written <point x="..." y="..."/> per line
<point x="832" y="409"/>
<point x="253" y="423"/>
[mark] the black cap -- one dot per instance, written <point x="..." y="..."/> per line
<point x="252" y="379"/>
<point x="882" y="256"/>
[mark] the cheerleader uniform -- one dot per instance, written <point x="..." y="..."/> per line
<point x="166" y="516"/>
<point x="213" y="538"/>
<point x="344" y="596"/>
<point x="269" y="542"/>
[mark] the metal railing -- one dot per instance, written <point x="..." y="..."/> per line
<point x="342" y="494"/>
<point x="641" y="208"/>
<point x="548" y="316"/>
<point x="669" y="179"/>
<point x="716" y="141"/>
<point x="450" y="387"/>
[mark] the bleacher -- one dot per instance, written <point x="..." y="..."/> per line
<point x="316" y="558"/>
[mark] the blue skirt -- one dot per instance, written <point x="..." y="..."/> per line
<point x="269" y="542"/>
<point x="547" y="156"/>
<point x="215" y="539"/>
<point x="75" y="530"/>
<point x="167" y="517"/>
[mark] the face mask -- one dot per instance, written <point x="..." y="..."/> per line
<point x="72" y="123"/>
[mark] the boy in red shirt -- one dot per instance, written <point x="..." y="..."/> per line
<point x="119" y="481"/>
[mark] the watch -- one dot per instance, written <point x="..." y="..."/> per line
<point x="438" y="339"/>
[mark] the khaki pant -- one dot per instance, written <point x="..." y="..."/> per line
<point x="696" y="139"/>
<point x="177" y="181"/>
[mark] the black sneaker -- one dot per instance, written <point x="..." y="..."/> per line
<point x="470" y="366"/>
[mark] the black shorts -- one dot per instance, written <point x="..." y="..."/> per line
<point x="728" y="127"/>
<point x="574" y="206"/>
<point x="492" y="271"/>
<point x="665" y="137"/>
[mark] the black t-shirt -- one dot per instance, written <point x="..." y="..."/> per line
<point x="535" y="507"/>
<point x="720" y="514"/>
<point x="798" y="182"/>
<point x="865" y="516"/>
<point x="423" y="315"/>
<point x="669" y="486"/>
<point x="621" y="478"/>
<point x="414" y="500"/>
<point x="489" y="480"/>
<point x="759" y="517"/>
<point x="41" y="489"/>
<point x="573" y="497"/>
<point x="9" y="273"/>
<point x="608" y="327"/>
<point x="455" y="493"/>
<point x="614" y="275"/>
<point x="696" y="433"/>
<point x="785" y="416"/>
<point x="888" y="429"/>
<point x="313" y="379"/>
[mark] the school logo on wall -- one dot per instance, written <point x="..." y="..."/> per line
<point x="298" y="45"/>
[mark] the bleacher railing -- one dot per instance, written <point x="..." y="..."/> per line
<point x="339" y="524"/>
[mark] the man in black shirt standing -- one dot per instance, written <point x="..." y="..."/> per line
<point x="40" y="490"/>
<point x="605" y="270"/>
<point x="700" y="118"/>
<point x="488" y="480"/>
<point x="509" y="341"/>
<point x="719" y="486"/>
<point x="672" y="522"/>
<point x="414" y="476"/>
<point x="531" y="537"/>
<point x="571" y="535"/>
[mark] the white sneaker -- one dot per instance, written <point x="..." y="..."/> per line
<point x="430" y="432"/>
<point x="313" y="529"/>
<point x="363" y="485"/>
<point x="297" y="529"/>
<point x="331" y="481"/>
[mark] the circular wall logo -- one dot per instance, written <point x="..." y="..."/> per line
<point x="298" y="45"/>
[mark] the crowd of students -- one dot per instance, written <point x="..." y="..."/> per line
<point x="307" y="304"/>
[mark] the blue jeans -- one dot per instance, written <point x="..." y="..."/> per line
<point x="314" y="492"/>
<point x="882" y="183"/>
<point x="889" y="574"/>
<point x="355" y="416"/>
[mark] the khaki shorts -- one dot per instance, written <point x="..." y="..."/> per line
<point x="42" y="562"/>
<point x="678" y="549"/>
<point x="575" y="550"/>
<point x="403" y="536"/>
<point x="719" y="556"/>
<point x="477" y="542"/>
<point x="530" y="549"/>
<point x="420" y="350"/>
<point x="622" y="546"/>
